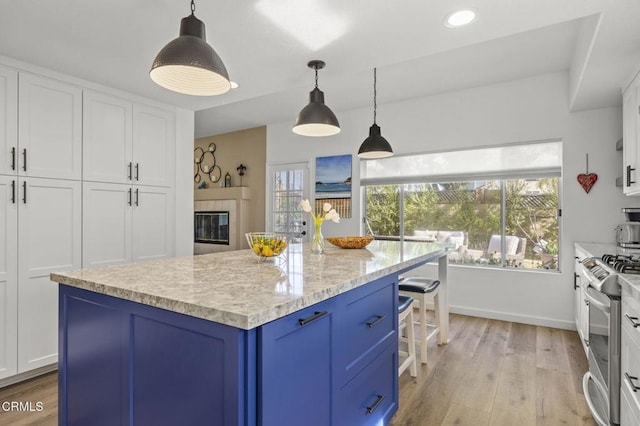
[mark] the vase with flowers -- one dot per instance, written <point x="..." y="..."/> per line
<point x="328" y="213"/>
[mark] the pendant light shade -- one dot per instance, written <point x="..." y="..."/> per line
<point x="375" y="146"/>
<point x="316" y="119"/>
<point x="188" y="64"/>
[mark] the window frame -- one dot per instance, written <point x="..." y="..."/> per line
<point x="502" y="177"/>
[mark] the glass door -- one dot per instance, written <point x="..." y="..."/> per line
<point x="288" y="185"/>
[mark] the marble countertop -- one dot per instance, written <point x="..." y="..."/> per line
<point x="235" y="289"/>
<point x="596" y="249"/>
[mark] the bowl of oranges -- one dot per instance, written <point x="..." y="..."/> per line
<point x="266" y="244"/>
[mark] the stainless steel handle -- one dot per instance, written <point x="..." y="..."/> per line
<point x="137" y="197"/>
<point x="598" y="304"/>
<point x="587" y="396"/>
<point x="13" y="192"/>
<point x="130" y="174"/>
<point x="630" y="379"/>
<point x="633" y="320"/>
<point x="24" y="159"/>
<point x="24" y="194"/>
<point x="376" y="404"/>
<point x="629" y="170"/>
<point x="312" y="318"/>
<point x="376" y="321"/>
<point x="575" y="281"/>
<point x="13" y="158"/>
<point x="129" y="196"/>
<point x="137" y="171"/>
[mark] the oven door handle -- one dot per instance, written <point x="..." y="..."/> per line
<point x="585" y="390"/>
<point x="605" y="307"/>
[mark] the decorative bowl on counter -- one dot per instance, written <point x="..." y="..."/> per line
<point x="266" y="244"/>
<point x="350" y="242"/>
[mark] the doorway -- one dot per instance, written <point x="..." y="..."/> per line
<point x="287" y="185"/>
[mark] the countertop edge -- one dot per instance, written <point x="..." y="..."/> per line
<point x="248" y="321"/>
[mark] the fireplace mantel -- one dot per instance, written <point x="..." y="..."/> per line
<point x="231" y="193"/>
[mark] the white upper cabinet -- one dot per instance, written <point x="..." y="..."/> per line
<point x="126" y="142"/>
<point x="49" y="128"/>
<point x="153" y="146"/>
<point x="8" y="121"/>
<point x="631" y="142"/>
<point x="107" y="138"/>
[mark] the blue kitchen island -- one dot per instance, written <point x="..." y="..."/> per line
<point x="223" y="339"/>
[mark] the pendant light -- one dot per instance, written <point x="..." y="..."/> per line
<point x="316" y="119"/>
<point x="375" y="146"/>
<point x="188" y="64"/>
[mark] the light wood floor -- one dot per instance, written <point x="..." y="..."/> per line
<point x="497" y="373"/>
<point x="491" y="373"/>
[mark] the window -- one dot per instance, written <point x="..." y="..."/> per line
<point x="511" y="221"/>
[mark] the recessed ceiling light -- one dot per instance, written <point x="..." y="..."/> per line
<point x="460" y="18"/>
<point x="234" y="85"/>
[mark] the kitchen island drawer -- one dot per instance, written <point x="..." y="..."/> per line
<point x="371" y="397"/>
<point x="366" y="325"/>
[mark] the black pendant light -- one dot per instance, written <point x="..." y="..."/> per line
<point x="375" y="146"/>
<point x="188" y="64"/>
<point x="316" y="119"/>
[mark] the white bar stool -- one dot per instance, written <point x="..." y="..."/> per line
<point x="423" y="291"/>
<point x="405" y="321"/>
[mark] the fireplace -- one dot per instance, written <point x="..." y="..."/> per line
<point x="220" y="214"/>
<point x="211" y="227"/>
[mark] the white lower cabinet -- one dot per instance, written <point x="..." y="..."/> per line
<point x="581" y="308"/>
<point x="630" y="360"/>
<point x="40" y="226"/>
<point x="124" y="223"/>
<point x="8" y="277"/>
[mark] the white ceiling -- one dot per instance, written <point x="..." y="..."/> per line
<point x="113" y="42"/>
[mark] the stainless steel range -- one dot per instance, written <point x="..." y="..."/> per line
<point x="601" y="384"/>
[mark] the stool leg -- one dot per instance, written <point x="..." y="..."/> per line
<point x="437" y="310"/>
<point x="423" y="329"/>
<point x="411" y="341"/>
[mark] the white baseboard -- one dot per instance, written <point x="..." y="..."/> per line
<point x="507" y="316"/>
<point x="28" y="375"/>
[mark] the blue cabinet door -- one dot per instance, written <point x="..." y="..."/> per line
<point x="295" y="365"/>
<point x="124" y="363"/>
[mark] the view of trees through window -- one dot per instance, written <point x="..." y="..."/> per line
<point x="510" y="223"/>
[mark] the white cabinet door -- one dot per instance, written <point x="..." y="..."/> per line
<point x="8" y="121"/>
<point x="631" y="174"/>
<point x="152" y="223"/>
<point x="106" y="225"/>
<point x="153" y="146"/>
<point x="8" y="276"/>
<point x="50" y="128"/>
<point x="107" y="138"/>
<point x="49" y="226"/>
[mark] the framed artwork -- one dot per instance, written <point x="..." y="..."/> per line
<point x="333" y="183"/>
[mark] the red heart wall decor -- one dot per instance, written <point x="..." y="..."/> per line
<point x="587" y="180"/>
